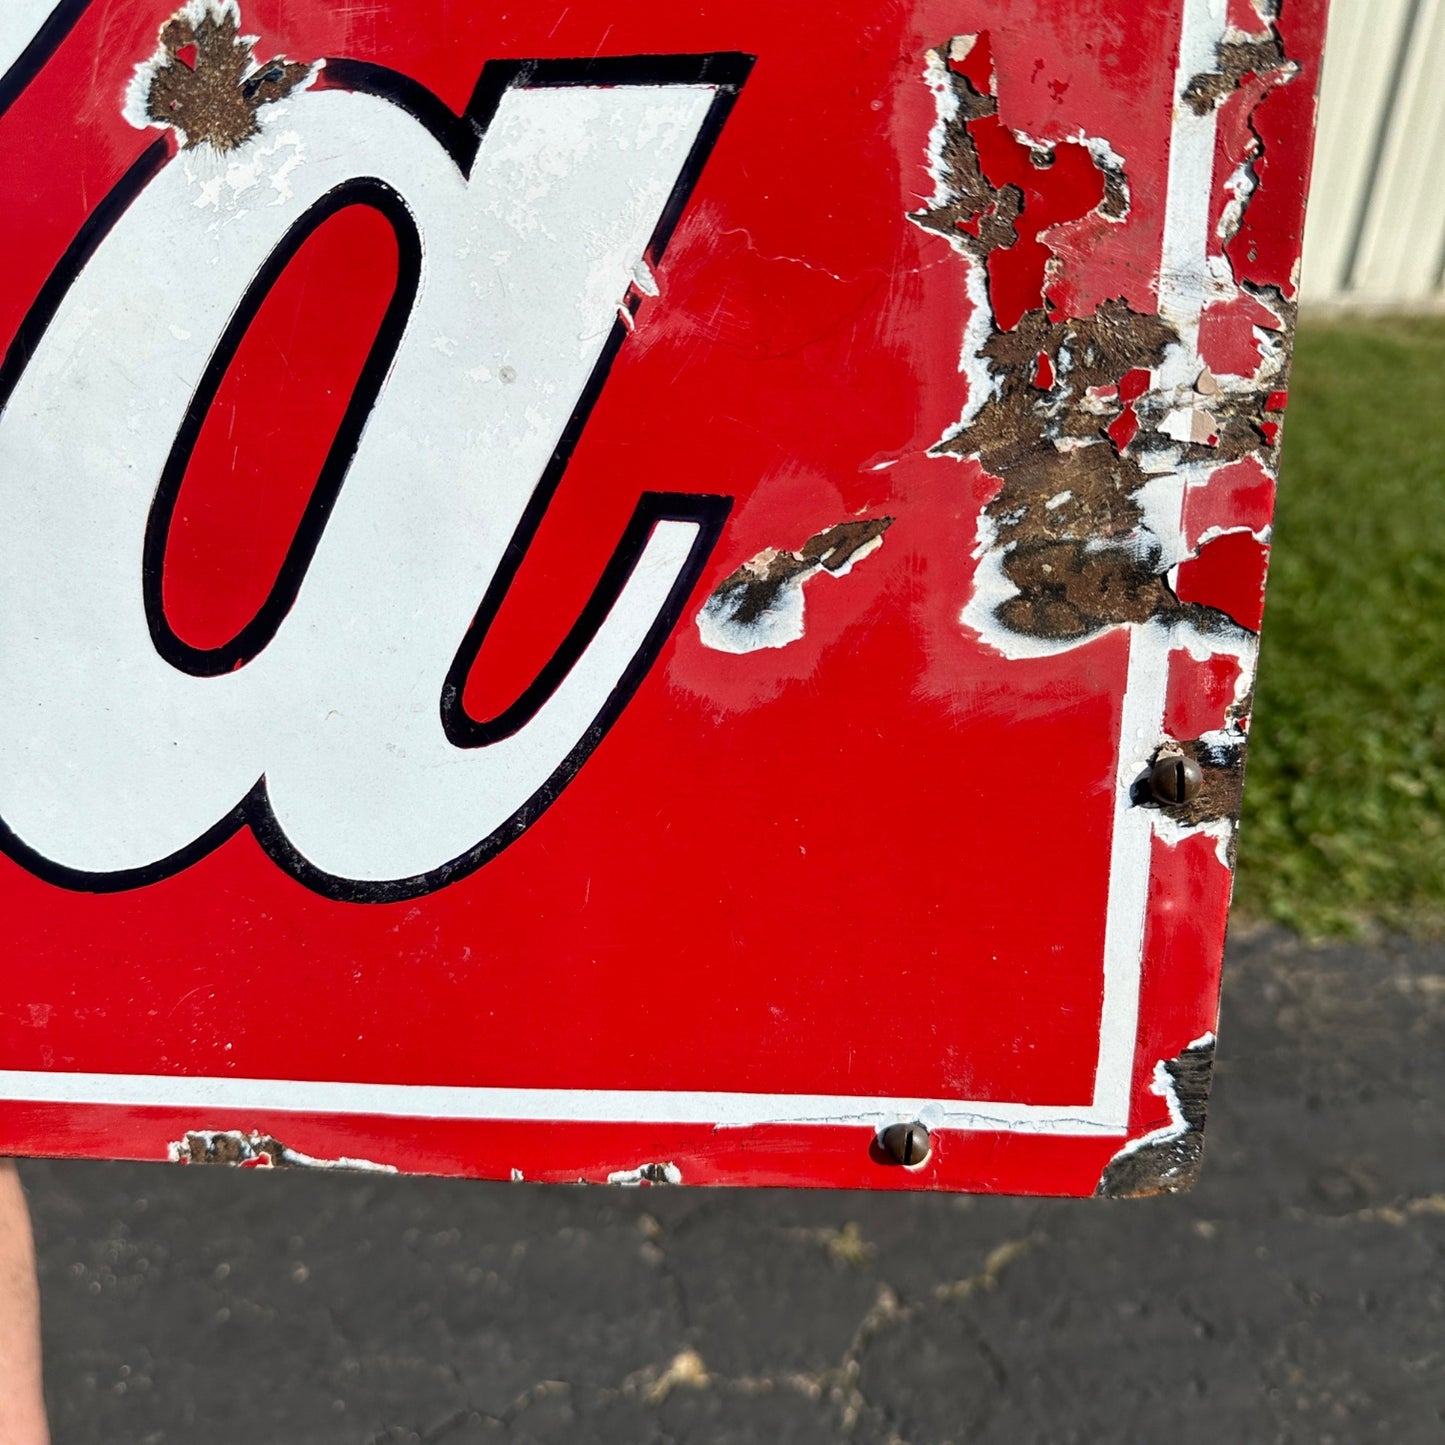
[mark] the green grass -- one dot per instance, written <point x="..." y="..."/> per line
<point x="1342" y="827"/>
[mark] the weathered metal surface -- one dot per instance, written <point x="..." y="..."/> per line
<point x="597" y="595"/>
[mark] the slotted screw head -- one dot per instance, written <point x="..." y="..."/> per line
<point x="906" y="1143"/>
<point x="1176" y="779"/>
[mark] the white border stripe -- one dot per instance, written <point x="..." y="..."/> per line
<point x="604" y="1106"/>
<point x="1130" y="855"/>
<point x="1184" y="274"/>
<point x="1183" y="280"/>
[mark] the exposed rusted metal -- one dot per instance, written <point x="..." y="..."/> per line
<point x="208" y="84"/>
<point x="1175" y="777"/>
<point x="1215" y="766"/>
<point x="744" y="595"/>
<point x="1067" y="515"/>
<point x="1168" y="1161"/>
<point x="1073" y="425"/>
<point x="1238" y="60"/>
<point x="760" y="603"/>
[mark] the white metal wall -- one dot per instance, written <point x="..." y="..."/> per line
<point x="1375" y="234"/>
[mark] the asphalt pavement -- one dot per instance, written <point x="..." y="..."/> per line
<point x="1298" y="1295"/>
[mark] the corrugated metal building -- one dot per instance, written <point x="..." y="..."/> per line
<point x="1376" y="229"/>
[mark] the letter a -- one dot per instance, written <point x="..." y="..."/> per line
<point x="525" y="221"/>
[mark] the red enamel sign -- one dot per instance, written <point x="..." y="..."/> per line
<point x="616" y="594"/>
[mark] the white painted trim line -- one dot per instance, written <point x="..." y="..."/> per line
<point x="1130" y="856"/>
<point x="593" y="1106"/>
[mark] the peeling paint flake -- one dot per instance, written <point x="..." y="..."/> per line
<point x="1067" y="407"/>
<point x="647" y="1174"/>
<point x="251" y="1150"/>
<point x="1098" y="428"/>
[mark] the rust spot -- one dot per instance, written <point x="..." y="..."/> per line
<point x="750" y="591"/>
<point x="1071" y="426"/>
<point x="835" y="547"/>
<point x="1115" y="204"/>
<point x="1066" y="590"/>
<point x="1066" y="513"/>
<point x="232" y="1148"/>
<point x="1238" y="713"/>
<point x="207" y="84"/>
<point x="1237" y="417"/>
<point x="974" y="207"/>
<point x="1168" y="1161"/>
<point x="1221" y="760"/>
<point x="745" y="595"/>
<point x="1237" y="61"/>
<point x="765" y="585"/>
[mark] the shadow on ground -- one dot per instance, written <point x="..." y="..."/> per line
<point x="1297" y="1296"/>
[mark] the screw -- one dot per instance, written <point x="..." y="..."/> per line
<point x="1175" y="778"/>
<point x="906" y="1143"/>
